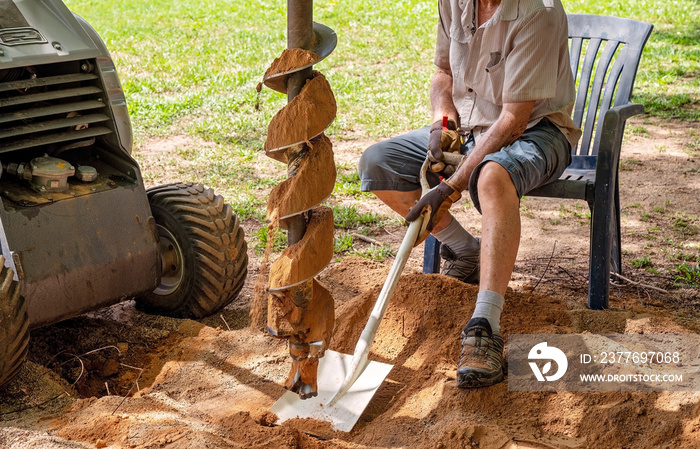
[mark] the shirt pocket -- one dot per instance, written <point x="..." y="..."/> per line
<point x="490" y="79"/>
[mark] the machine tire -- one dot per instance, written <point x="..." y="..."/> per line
<point x="14" y="325"/>
<point x="203" y="252"/>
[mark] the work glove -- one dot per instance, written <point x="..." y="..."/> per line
<point x="438" y="200"/>
<point x="442" y="140"/>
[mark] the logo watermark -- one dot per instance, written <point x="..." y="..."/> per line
<point x="590" y="362"/>
<point x="542" y="351"/>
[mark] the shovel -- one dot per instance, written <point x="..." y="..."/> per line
<point x="360" y="377"/>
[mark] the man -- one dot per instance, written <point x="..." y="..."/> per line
<point x="504" y="83"/>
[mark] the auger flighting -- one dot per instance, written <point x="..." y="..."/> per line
<point x="299" y="307"/>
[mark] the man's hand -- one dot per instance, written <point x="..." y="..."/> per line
<point x="438" y="200"/>
<point x="442" y="140"/>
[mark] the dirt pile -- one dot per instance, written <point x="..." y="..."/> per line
<point x="213" y="388"/>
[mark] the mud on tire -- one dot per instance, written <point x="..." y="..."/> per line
<point x="14" y="325"/>
<point x="203" y="252"/>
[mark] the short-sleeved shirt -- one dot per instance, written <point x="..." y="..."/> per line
<point x="520" y="54"/>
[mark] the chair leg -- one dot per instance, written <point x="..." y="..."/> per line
<point x="600" y="254"/>
<point x="431" y="255"/>
<point x="616" y="244"/>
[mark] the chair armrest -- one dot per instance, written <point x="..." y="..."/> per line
<point x="628" y="110"/>
<point x="610" y="146"/>
<point x="613" y="129"/>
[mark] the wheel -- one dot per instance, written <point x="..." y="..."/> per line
<point x="14" y="325"/>
<point x="204" y="260"/>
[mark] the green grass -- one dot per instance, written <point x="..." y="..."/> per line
<point x="642" y="262"/>
<point x="684" y="224"/>
<point x="348" y="217"/>
<point x="196" y="64"/>
<point x="262" y="236"/>
<point x="668" y="79"/>
<point x="192" y="68"/>
<point x="686" y="275"/>
<point x="348" y="185"/>
<point x="630" y="164"/>
<point x="342" y="243"/>
<point x="377" y="252"/>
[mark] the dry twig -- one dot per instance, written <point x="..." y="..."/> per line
<point x="639" y="284"/>
<point x="224" y="320"/>
<point x="364" y="238"/>
<point x="554" y="247"/>
<point x="60" y="395"/>
<point x="132" y="387"/>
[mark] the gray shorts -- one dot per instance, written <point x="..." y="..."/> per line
<point x="536" y="158"/>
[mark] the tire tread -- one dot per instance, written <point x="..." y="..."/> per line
<point x="213" y="230"/>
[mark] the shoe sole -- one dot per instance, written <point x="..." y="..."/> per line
<point x="478" y="379"/>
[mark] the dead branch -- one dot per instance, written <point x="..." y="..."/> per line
<point x="101" y="349"/>
<point x="554" y="247"/>
<point x="364" y="238"/>
<point x="135" y="384"/>
<point x="224" y="320"/>
<point x="639" y="284"/>
<point x="66" y="393"/>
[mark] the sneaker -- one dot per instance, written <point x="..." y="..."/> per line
<point x="464" y="268"/>
<point x="481" y="363"/>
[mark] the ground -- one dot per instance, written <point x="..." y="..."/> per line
<point x="154" y="382"/>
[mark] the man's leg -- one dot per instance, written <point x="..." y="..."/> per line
<point x="390" y="169"/>
<point x="500" y="227"/>
<point x="540" y="156"/>
<point x="482" y="363"/>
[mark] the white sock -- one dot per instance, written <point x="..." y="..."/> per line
<point x="489" y="305"/>
<point x="458" y="239"/>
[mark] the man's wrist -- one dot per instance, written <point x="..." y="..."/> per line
<point x="460" y="179"/>
<point x="438" y="125"/>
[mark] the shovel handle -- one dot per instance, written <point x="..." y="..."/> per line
<point x="452" y="158"/>
<point x="361" y="355"/>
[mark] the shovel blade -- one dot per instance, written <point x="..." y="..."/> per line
<point x="343" y="415"/>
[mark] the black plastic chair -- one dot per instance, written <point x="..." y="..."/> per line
<point x="605" y="53"/>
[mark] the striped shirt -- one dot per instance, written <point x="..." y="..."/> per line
<point x="520" y="54"/>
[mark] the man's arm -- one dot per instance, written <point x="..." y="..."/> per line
<point x="510" y="125"/>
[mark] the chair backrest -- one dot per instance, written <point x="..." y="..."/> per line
<point x="605" y="53"/>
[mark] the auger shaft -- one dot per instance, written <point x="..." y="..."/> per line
<point x="299" y="35"/>
<point x="299" y="308"/>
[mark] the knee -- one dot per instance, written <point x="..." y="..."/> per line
<point x="495" y="183"/>
<point x="370" y="159"/>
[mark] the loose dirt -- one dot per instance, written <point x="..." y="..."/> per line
<point x="205" y="386"/>
<point x="304" y="259"/>
<point x="154" y="382"/>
